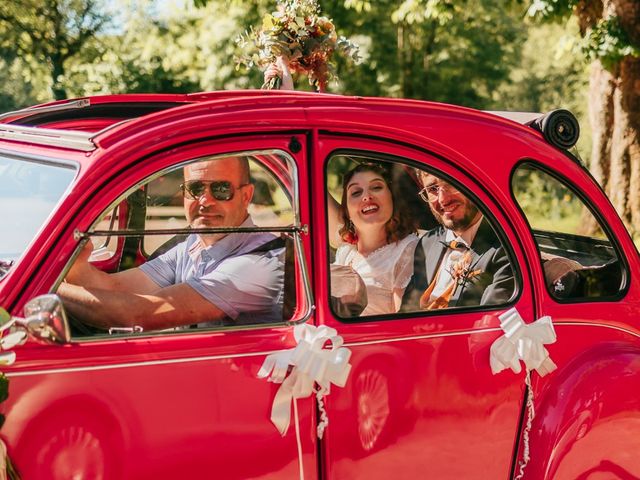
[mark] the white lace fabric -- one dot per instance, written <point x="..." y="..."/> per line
<point x="384" y="270"/>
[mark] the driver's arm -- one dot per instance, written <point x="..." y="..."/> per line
<point x="167" y="307"/>
<point x="84" y="274"/>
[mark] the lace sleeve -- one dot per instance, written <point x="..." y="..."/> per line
<point x="403" y="269"/>
<point x="343" y="254"/>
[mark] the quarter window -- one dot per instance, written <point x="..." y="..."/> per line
<point x="578" y="258"/>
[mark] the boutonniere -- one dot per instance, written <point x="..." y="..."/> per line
<point x="463" y="270"/>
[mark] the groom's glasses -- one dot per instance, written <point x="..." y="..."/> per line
<point x="221" y="190"/>
<point x="432" y="191"/>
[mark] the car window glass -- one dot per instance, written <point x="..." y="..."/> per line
<point x="248" y="276"/>
<point x="270" y="205"/>
<point x="578" y="258"/>
<point x="105" y="248"/>
<point x="408" y="239"/>
<point x="29" y="192"/>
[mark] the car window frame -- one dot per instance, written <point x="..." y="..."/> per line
<point x="289" y="168"/>
<point x="412" y="163"/>
<point x="603" y="224"/>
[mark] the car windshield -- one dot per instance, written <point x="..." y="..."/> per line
<point x="29" y="192"/>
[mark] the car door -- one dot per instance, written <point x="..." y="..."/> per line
<point x="587" y="420"/>
<point x="178" y="403"/>
<point x="421" y="400"/>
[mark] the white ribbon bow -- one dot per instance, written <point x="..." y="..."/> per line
<point x="523" y="342"/>
<point x="312" y="364"/>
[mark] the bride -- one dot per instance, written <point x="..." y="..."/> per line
<point x="375" y="239"/>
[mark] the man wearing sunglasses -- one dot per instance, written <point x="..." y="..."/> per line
<point x="460" y="262"/>
<point x="209" y="279"/>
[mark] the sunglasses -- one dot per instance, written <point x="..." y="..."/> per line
<point x="432" y="191"/>
<point x="221" y="190"/>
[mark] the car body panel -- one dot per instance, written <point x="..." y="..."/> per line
<point x="421" y="398"/>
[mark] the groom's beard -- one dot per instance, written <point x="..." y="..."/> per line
<point x="461" y="223"/>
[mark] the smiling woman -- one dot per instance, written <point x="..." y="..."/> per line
<point x="378" y="237"/>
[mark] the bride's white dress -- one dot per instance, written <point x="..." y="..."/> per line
<point x="384" y="270"/>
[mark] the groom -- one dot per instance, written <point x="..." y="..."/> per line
<point x="461" y="262"/>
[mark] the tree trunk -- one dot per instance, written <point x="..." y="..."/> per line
<point x="627" y="137"/>
<point x="57" y="74"/>
<point x="614" y="114"/>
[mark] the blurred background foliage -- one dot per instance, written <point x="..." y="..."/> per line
<point x="486" y="54"/>
<point x="478" y="53"/>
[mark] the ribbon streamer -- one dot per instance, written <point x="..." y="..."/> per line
<point x="312" y="364"/>
<point x="522" y="342"/>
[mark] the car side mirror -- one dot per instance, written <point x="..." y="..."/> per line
<point x="46" y="320"/>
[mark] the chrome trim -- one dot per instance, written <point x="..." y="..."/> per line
<point x="148" y="363"/>
<point x="257" y="354"/>
<point x="78" y="235"/>
<point x="40" y="159"/>
<point x="424" y="337"/>
<point x="85" y="102"/>
<point x="308" y="292"/>
<point x="47" y="136"/>
<point x="602" y="325"/>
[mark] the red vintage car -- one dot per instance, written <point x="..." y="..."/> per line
<point x="420" y="399"/>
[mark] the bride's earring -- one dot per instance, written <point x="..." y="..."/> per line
<point x="351" y="236"/>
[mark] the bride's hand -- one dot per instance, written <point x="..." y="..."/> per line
<point x="279" y="69"/>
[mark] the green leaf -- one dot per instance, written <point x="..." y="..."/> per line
<point x="268" y="22"/>
<point x="4" y="387"/>
<point x="4" y="316"/>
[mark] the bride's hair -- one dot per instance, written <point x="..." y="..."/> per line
<point x="397" y="227"/>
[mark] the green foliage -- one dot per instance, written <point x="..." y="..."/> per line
<point x="603" y="39"/>
<point x="558" y="78"/>
<point x="453" y="51"/>
<point x="469" y="52"/>
<point x="608" y="42"/>
<point x="420" y="11"/>
<point x="50" y="32"/>
<point x="547" y="204"/>
<point x="4" y="387"/>
<point x="551" y="9"/>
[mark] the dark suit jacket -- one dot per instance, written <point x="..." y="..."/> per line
<point x="493" y="286"/>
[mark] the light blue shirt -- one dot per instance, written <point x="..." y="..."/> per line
<point x="246" y="286"/>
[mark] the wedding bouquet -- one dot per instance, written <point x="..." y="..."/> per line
<point x="298" y="33"/>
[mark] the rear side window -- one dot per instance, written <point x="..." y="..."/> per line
<point x="578" y="259"/>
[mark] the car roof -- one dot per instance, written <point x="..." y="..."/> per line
<point x="84" y="129"/>
<point x="94" y="114"/>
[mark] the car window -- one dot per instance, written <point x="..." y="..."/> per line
<point x="29" y="192"/>
<point x="246" y="275"/>
<point x="409" y="239"/>
<point x="578" y="259"/>
<point x="164" y="209"/>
